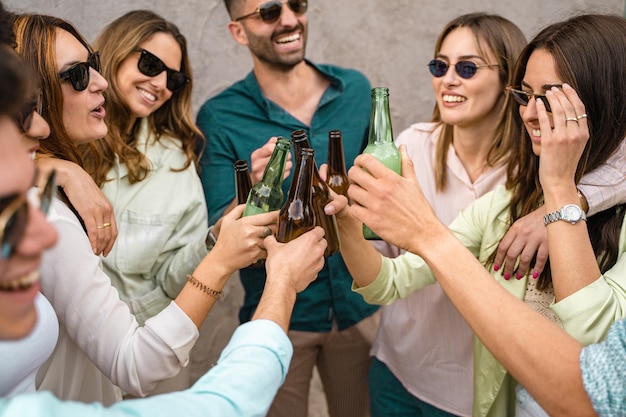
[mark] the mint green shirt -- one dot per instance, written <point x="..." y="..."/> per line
<point x="586" y="315"/>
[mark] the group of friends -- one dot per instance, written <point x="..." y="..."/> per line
<point x="500" y="270"/>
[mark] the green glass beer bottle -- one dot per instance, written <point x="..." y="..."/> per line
<point x="380" y="143"/>
<point x="243" y="184"/>
<point x="337" y="178"/>
<point x="320" y="196"/>
<point x="297" y="215"/>
<point x="267" y="194"/>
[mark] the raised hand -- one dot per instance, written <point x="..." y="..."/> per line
<point x="86" y="197"/>
<point x="261" y="156"/>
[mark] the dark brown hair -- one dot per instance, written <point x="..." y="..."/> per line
<point x="589" y="52"/>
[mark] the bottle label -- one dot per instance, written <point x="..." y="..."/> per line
<point x="251" y="210"/>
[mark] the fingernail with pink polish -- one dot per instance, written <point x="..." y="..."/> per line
<point x="535" y="275"/>
<point x="496" y="267"/>
<point x="507" y="276"/>
<point x="519" y="276"/>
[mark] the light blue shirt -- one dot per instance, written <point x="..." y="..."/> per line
<point x="603" y="369"/>
<point x="243" y="383"/>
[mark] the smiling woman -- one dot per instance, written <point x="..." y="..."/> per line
<point x="100" y="342"/>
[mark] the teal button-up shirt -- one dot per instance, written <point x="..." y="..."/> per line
<point x="239" y="120"/>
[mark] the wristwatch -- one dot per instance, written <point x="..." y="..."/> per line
<point x="569" y="213"/>
<point x="210" y="238"/>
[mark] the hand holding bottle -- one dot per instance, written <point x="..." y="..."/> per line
<point x="261" y="156"/>
<point x="386" y="201"/>
<point x="240" y="240"/>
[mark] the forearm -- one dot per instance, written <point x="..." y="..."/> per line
<point x="361" y="258"/>
<point x="211" y="272"/>
<point x="528" y="348"/>
<point x="276" y="303"/>
<point x="572" y="260"/>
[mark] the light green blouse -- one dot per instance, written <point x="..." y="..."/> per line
<point x="586" y="314"/>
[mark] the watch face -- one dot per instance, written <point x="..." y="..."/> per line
<point x="571" y="213"/>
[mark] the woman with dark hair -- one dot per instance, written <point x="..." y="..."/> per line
<point x="578" y="93"/>
<point x="100" y="342"/>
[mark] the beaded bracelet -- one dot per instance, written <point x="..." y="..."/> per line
<point x="215" y="294"/>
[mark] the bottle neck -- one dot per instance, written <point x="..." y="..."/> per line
<point x="336" y="160"/>
<point x="273" y="174"/>
<point x="380" y="120"/>
<point x="243" y="184"/>
<point x="301" y="190"/>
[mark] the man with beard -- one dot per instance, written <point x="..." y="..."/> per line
<point x="331" y="327"/>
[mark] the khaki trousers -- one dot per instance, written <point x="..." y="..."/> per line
<point x="343" y="361"/>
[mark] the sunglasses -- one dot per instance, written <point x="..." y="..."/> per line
<point x="78" y="74"/>
<point x="523" y="97"/>
<point x="24" y="118"/>
<point x="465" y="69"/>
<point x="151" y="66"/>
<point x="270" y="11"/>
<point x="14" y="218"/>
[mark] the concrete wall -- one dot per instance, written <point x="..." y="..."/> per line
<point x="389" y="40"/>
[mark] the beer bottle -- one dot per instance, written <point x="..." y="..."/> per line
<point x="380" y="143"/>
<point x="267" y="194"/>
<point x="337" y="178"/>
<point x="243" y="184"/>
<point x="320" y="196"/>
<point x="297" y="215"/>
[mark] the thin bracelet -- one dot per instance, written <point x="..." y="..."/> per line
<point x="215" y="294"/>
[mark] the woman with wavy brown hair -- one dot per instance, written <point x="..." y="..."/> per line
<point x="100" y="341"/>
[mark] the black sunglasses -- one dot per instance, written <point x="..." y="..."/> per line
<point x="78" y="74"/>
<point x="24" y="118"/>
<point x="270" y="11"/>
<point x="523" y="97"/>
<point x="465" y="69"/>
<point x="151" y="66"/>
<point x="14" y="218"/>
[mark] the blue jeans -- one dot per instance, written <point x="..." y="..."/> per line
<point x="388" y="398"/>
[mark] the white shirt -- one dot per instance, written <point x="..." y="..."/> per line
<point x="22" y="358"/>
<point x="100" y="340"/>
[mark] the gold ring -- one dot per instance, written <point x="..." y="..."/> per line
<point x="571" y="119"/>
<point x="582" y="116"/>
<point x="266" y="232"/>
<point x="104" y="226"/>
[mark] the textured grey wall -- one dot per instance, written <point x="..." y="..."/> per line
<point x="389" y="40"/>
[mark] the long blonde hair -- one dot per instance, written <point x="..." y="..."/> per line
<point x="118" y="40"/>
<point x="506" y="41"/>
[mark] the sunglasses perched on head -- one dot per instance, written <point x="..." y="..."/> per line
<point x="78" y="74"/>
<point x="14" y="217"/>
<point x="24" y="117"/>
<point x="523" y="97"/>
<point x="465" y="69"/>
<point x="151" y="66"/>
<point x="270" y="11"/>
